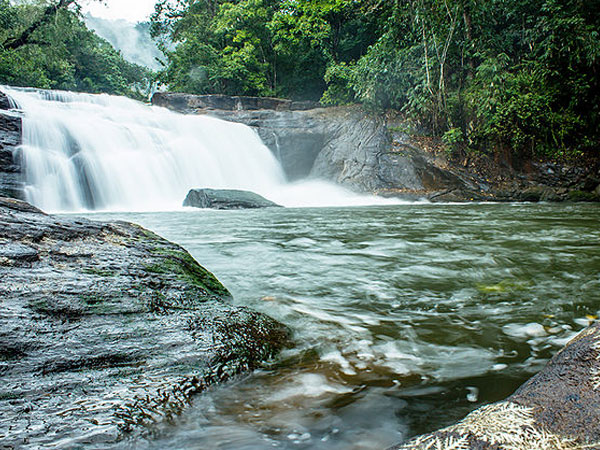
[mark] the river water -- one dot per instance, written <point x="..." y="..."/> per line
<point x="404" y="317"/>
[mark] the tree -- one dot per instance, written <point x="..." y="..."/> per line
<point x="503" y="75"/>
<point x="54" y="49"/>
<point x="25" y="35"/>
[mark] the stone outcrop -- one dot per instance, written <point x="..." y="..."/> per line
<point x="10" y="139"/>
<point x="556" y="409"/>
<point x="344" y="145"/>
<point x="106" y="329"/>
<point x="226" y="199"/>
<point x="186" y="103"/>
<point x="365" y="153"/>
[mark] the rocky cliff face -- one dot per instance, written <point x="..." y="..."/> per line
<point x="10" y="139"/>
<point x="344" y="145"/>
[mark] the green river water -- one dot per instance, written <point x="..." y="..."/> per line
<point x="404" y="317"/>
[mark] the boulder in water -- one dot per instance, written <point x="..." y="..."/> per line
<point x="226" y="199"/>
<point x="556" y="409"/>
<point x="108" y="329"/>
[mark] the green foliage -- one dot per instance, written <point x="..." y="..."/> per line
<point x="63" y="54"/>
<point x="260" y="47"/>
<point x="339" y="79"/>
<point x="502" y="75"/>
<point x="505" y="75"/>
<point x="454" y="139"/>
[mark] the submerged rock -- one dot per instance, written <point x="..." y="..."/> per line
<point x="108" y="329"/>
<point x="556" y="409"/>
<point x="226" y="199"/>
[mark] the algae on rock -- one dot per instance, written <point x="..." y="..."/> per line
<point x="108" y="329"/>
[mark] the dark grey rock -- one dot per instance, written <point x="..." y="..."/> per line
<point x="556" y="409"/>
<point x="226" y="199"/>
<point x="296" y="138"/>
<point x="107" y="330"/>
<point x="10" y="139"/>
<point x="5" y="102"/>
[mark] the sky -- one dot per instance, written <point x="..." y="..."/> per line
<point x="130" y="10"/>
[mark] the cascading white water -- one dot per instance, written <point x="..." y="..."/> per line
<point x="101" y="152"/>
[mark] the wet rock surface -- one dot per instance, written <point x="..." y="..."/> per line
<point x="555" y="409"/>
<point x="226" y="199"/>
<point x="10" y="139"/>
<point x="108" y="331"/>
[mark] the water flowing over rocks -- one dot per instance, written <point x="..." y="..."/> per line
<point x="556" y="409"/>
<point x="345" y="145"/>
<point x="364" y="152"/>
<point x="226" y="199"/>
<point x="108" y="330"/>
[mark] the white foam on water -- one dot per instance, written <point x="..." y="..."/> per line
<point x="530" y="330"/>
<point x="309" y="385"/>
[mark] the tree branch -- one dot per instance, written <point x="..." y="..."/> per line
<point x="48" y="14"/>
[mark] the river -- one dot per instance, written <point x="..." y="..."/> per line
<point x="404" y="317"/>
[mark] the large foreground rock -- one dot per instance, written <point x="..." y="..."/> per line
<point x="106" y="329"/>
<point x="226" y="199"/>
<point x="558" y="409"/>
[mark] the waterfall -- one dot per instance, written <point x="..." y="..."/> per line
<point x="99" y="152"/>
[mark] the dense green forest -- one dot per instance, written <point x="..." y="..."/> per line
<point x="47" y="45"/>
<point x="518" y="76"/>
<point x="512" y="75"/>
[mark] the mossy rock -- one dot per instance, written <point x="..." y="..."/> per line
<point x="113" y="326"/>
<point x="582" y="196"/>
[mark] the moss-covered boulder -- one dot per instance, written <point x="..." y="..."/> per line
<point x="108" y="329"/>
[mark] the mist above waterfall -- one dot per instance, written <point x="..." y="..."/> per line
<point x="131" y="39"/>
<point x="100" y="152"/>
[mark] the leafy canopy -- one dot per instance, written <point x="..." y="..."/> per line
<point x="47" y="45"/>
<point x="508" y="75"/>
